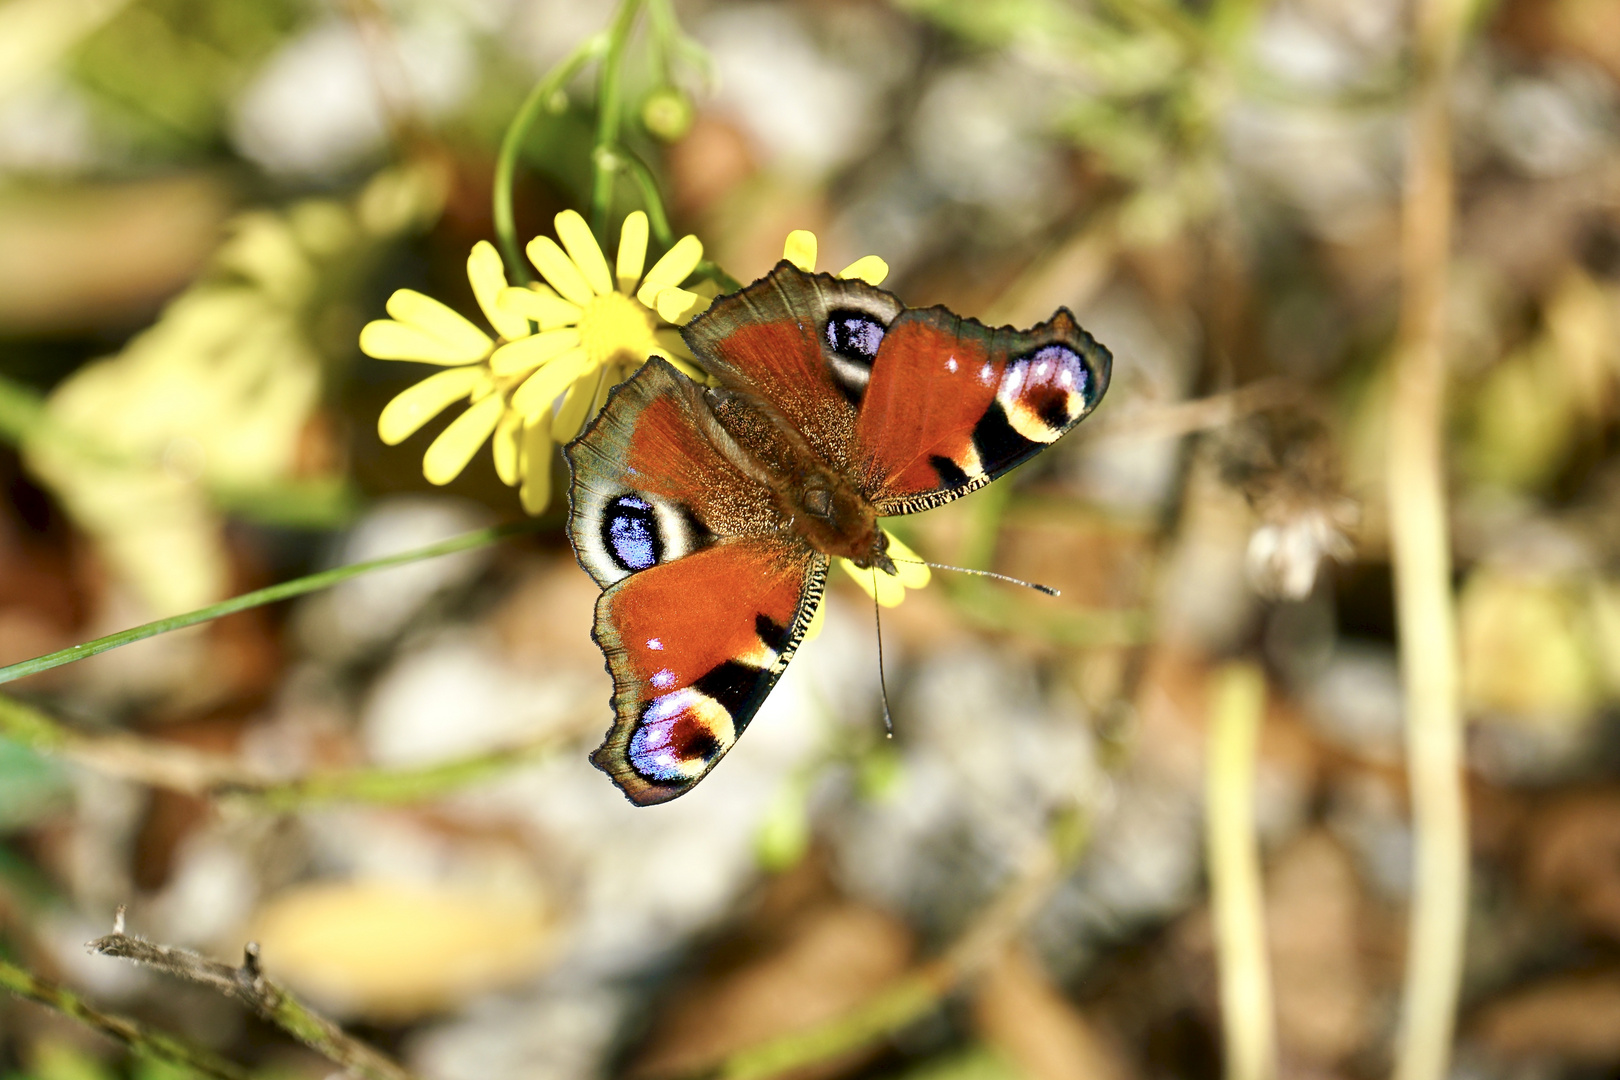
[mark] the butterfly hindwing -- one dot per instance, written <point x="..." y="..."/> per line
<point x="952" y="404"/>
<point x="694" y="646"/>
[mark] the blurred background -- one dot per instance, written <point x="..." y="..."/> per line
<point x="201" y="202"/>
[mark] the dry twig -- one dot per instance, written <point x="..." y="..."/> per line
<point x="249" y="985"/>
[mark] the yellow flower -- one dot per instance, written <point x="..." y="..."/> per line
<point x="531" y="389"/>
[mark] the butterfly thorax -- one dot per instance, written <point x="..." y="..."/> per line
<point x="817" y="500"/>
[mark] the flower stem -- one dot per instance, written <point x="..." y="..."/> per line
<point x="160" y="1046"/>
<point x="538" y="101"/>
<point x="257" y="598"/>
<point x="650" y="197"/>
<point x="609" y="112"/>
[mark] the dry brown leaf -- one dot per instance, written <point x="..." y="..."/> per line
<point x="392" y="951"/>
<point x="1019" y="1012"/>
<point x="1572" y="1019"/>
<point x="823" y="962"/>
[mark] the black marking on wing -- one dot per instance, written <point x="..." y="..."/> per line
<point x="733" y="684"/>
<point x="950" y="473"/>
<point x="772" y="633"/>
<point x="999" y="444"/>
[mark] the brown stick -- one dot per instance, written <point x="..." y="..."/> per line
<point x="249" y="985"/>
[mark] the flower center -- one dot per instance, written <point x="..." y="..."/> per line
<point x="615" y="327"/>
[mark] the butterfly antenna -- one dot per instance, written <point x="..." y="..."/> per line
<point x="883" y="682"/>
<point x="1047" y="589"/>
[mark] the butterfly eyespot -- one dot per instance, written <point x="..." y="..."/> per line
<point x="679" y="735"/>
<point x="1043" y="391"/>
<point x="854" y="335"/>
<point x="630" y="533"/>
<point x="852" y="338"/>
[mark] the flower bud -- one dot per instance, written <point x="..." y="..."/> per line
<point x="666" y="113"/>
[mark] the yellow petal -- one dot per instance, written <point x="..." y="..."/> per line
<point x="671" y="344"/>
<point x="800" y="250"/>
<point x="487" y="274"/>
<point x="389" y="340"/>
<point x="817" y="621"/>
<point x="508" y="434"/>
<point x="415" y="406"/>
<point x="632" y="257"/>
<point x="912" y="572"/>
<point x="675" y="267"/>
<point x="542" y="388"/>
<point x="679" y="306"/>
<point x="540" y="303"/>
<point x="535" y="457"/>
<point x="530" y="352"/>
<point x="558" y="269"/>
<point x="874" y="582"/>
<point x="585" y="251"/>
<point x="612" y="375"/>
<point x="869" y="268"/>
<point x="456" y="445"/>
<point x="576" y="407"/>
<point x="450" y="327"/>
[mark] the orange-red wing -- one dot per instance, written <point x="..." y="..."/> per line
<point x="646" y="468"/>
<point x="771" y="341"/>
<point x="952" y="404"/>
<point x="693" y="646"/>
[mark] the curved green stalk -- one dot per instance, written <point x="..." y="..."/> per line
<point x="657" y="218"/>
<point x="259" y="597"/>
<point x="539" y="99"/>
<point x="609" y="112"/>
<point x="146" y="1041"/>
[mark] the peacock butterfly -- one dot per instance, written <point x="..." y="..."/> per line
<point x="709" y="514"/>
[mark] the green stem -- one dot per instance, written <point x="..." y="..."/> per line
<point x="539" y="100"/>
<point x="259" y="597"/>
<point x="609" y="112"/>
<point x="650" y="197"/>
<point x="711" y="271"/>
<point x="138" y="1037"/>
<point x="386" y="787"/>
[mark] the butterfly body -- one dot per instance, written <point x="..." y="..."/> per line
<point x="709" y="515"/>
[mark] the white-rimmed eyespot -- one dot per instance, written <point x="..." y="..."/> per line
<point x="630" y="531"/>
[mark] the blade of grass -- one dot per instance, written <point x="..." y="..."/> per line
<point x="1247" y="1019"/>
<point x="258" y="598"/>
<point x="1420" y="548"/>
<point x="140" y="1038"/>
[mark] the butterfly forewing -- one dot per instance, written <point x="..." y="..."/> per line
<point x="804" y="344"/>
<point x="650" y="487"/>
<point x="952" y="404"/>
